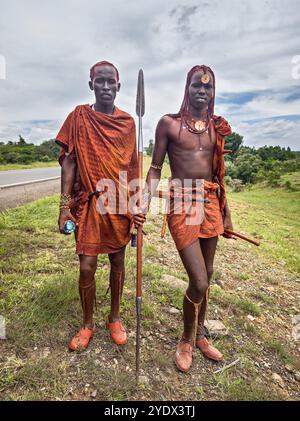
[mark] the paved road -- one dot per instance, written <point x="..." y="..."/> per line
<point x="19" y="176"/>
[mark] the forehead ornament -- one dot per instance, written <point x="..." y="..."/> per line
<point x="205" y="78"/>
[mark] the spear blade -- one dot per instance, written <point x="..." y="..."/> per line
<point x="140" y="97"/>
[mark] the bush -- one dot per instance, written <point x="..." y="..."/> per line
<point x="228" y="180"/>
<point x="12" y="157"/>
<point x="230" y="169"/>
<point x="237" y="185"/>
<point x="288" y="186"/>
<point x="234" y="183"/>
<point x="247" y="166"/>
<point x="273" y="178"/>
<point x="26" y="159"/>
<point x="45" y="158"/>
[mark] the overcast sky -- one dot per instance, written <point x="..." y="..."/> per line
<point x="49" y="47"/>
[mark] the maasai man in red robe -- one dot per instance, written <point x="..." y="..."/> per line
<point x="194" y="139"/>
<point x="98" y="142"/>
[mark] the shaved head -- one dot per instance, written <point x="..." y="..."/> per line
<point x="102" y="63"/>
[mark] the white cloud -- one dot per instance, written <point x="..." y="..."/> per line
<point x="271" y="132"/>
<point x="50" y="46"/>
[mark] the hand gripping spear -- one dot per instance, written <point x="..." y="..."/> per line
<point x="140" y="110"/>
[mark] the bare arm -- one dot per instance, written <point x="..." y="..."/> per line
<point x="154" y="173"/>
<point x="158" y="156"/>
<point x="68" y="172"/>
<point x="227" y="217"/>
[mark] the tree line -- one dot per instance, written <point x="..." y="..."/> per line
<point x="22" y="152"/>
<point x="249" y="165"/>
<point x="244" y="165"/>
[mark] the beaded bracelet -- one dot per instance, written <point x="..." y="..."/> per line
<point x="156" y="167"/>
<point x="64" y="200"/>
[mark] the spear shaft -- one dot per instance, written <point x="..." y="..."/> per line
<point x="140" y="110"/>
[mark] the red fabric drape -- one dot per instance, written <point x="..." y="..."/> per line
<point x="103" y="145"/>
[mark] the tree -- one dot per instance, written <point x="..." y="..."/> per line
<point x="149" y="148"/>
<point x="49" y="148"/>
<point x="22" y="141"/>
<point x="12" y="157"/>
<point x="233" y="142"/>
<point x="247" y="166"/>
<point x="230" y="169"/>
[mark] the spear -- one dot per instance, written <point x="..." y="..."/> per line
<point x="140" y="110"/>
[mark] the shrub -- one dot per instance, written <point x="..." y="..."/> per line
<point x="45" y="158"/>
<point x="237" y="185"/>
<point x="12" y="157"/>
<point x="273" y="178"/>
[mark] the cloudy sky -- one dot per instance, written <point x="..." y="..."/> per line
<point x="253" y="47"/>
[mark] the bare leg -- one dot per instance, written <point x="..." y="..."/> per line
<point x="208" y="247"/>
<point x="87" y="287"/>
<point x="194" y="264"/>
<point x="116" y="280"/>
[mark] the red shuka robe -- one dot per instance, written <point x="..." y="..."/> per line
<point x="103" y="145"/>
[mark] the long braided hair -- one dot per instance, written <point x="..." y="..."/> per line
<point x="183" y="112"/>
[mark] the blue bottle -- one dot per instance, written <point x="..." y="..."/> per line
<point x="69" y="227"/>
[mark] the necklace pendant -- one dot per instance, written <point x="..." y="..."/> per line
<point x="199" y="125"/>
<point x="200" y="149"/>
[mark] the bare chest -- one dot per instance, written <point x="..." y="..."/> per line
<point x="182" y="138"/>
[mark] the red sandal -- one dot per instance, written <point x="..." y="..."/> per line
<point x="208" y="350"/>
<point x="184" y="356"/>
<point x="117" y="332"/>
<point x="82" y="339"/>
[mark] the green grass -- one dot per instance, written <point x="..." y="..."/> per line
<point x="7" y="167"/>
<point x="146" y="165"/>
<point x="273" y="217"/>
<point x="293" y="178"/>
<point x="244" y="305"/>
<point x="281" y="351"/>
<point x="241" y="390"/>
<point x="39" y="299"/>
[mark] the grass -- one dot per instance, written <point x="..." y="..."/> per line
<point x="293" y="178"/>
<point x="146" y="165"/>
<point x="39" y="299"/>
<point x="281" y="351"/>
<point x="244" y="305"/>
<point x="266" y="214"/>
<point x="7" y="167"/>
<point x="242" y="390"/>
<point x="272" y="215"/>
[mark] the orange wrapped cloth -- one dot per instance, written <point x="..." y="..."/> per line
<point x="189" y="220"/>
<point x="211" y="222"/>
<point x="103" y="146"/>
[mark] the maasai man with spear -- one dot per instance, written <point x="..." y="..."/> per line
<point x="194" y="140"/>
<point x="98" y="143"/>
